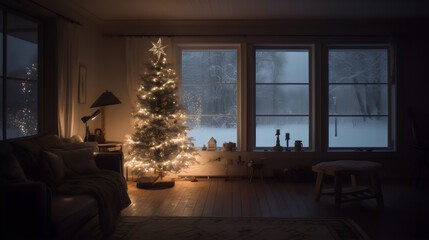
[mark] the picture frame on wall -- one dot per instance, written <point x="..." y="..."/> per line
<point x="82" y="84"/>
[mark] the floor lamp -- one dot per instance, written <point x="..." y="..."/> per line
<point x="105" y="99"/>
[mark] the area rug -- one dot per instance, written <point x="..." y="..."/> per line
<point x="222" y="228"/>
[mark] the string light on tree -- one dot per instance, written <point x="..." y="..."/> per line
<point x="160" y="142"/>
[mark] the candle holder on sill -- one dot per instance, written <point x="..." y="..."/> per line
<point x="287" y="137"/>
<point x="278" y="148"/>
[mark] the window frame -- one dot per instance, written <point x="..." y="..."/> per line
<point x="391" y="98"/>
<point x="5" y="11"/>
<point x="311" y="94"/>
<point x="212" y="46"/>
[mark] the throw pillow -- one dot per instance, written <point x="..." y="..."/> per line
<point x="72" y="139"/>
<point x="73" y="146"/>
<point x="53" y="168"/>
<point x="80" y="161"/>
<point x="10" y="170"/>
<point x="48" y="141"/>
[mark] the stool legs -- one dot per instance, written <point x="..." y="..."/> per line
<point x="338" y="190"/>
<point x="353" y="180"/>
<point x="318" y="187"/>
<point x="376" y="188"/>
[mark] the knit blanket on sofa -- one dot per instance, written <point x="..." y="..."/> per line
<point x="108" y="187"/>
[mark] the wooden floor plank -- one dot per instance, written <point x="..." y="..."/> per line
<point x="202" y="198"/>
<point x="210" y="202"/>
<point x="245" y="199"/>
<point x="227" y="200"/>
<point x="236" y="199"/>
<point x="255" y="205"/>
<point x="262" y="198"/>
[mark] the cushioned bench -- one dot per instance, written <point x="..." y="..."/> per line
<point x="341" y="168"/>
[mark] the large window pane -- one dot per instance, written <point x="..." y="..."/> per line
<point x="21" y="48"/>
<point x="282" y="66"/>
<point x="282" y="95"/>
<point x="358" y="132"/>
<point x="358" y="65"/>
<point x="21" y="108"/>
<point x="266" y="129"/>
<point x="209" y="94"/>
<point x="222" y="128"/>
<point x="282" y="99"/>
<point x="358" y="99"/>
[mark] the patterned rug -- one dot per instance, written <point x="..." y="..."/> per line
<point x="213" y="228"/>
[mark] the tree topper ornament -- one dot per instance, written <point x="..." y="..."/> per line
<point x="158" y="49"/>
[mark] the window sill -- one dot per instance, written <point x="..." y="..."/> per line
<point x="350" y="150"/>
<point x="291" y="151"/>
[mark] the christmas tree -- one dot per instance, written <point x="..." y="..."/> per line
<point x="160" y="143"/>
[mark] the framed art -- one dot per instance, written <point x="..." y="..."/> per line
<point x="82" y="84"/>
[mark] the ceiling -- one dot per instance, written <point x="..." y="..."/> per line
<point x="117" y="10"/>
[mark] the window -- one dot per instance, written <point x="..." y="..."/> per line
<point x="19" y="76"/>
<point x="209" y="93"/>
<point x="358" y="97"/>
<point x="282" y="81"/>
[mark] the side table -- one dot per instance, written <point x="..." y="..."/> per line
<point x="110" y="147"/>
<point x="257" y="167"/>
<point x="113" y="147"/>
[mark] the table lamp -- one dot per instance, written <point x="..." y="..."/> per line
<point x="85" y="120"/>
<point x="105" y="99"/>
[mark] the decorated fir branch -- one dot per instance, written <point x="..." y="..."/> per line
<point x="160" y="143"/>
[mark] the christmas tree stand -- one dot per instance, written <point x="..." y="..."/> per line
<point x="155" y="183"/>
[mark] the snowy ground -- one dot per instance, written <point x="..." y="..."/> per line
<point x="371" y="133"/>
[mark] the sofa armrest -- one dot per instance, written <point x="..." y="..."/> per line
<point x="25" y="210"/>
<point x="110" y="161"/>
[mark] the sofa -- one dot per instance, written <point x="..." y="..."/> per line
<point x="54" y="188"/>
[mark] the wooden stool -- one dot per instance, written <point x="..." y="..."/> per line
<point x="257" y="167"/>
<point x="339" y="169"/>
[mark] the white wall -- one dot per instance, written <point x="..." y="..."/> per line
<point x="89" y="38"/>
<point x="112" y="77"/>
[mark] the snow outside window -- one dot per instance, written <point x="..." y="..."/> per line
<point x="282" y="95"/>
<point x="209" y="94"/>
<point x="358" y="98"/>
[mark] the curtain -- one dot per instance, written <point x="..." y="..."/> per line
<point x="137" y="55"/>
<point x="68" y="71"/>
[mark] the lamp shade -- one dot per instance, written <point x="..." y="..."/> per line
<point x="106" y="98"/>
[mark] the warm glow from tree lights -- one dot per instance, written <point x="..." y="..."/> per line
<point x="160" y="142"/>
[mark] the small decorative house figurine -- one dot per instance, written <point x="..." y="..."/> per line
<point x="204" y="147"/>
<point x="211" y="146"/>
<point x="229" y="147"/>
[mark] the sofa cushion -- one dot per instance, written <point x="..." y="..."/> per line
<point x="53" y="168"/>
<point x="10" y="170"/>
<point x="70" y="212"/>
<point x="27" y="153"/>
<point x="80" y="161"/>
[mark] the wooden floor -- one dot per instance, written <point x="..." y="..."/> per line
<point x="405" y="215"/>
